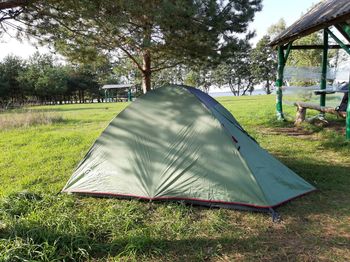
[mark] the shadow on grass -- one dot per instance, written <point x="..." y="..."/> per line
<point x="46" y="230"/>
<point x="271" y="244"/>
<point x="74" y="233"/>
<point x="62" y="109"/>
<point x="57" y="108"/>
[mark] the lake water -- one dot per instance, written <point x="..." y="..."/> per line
<point x="255" y="92"/>
<point x="295" y="94"/>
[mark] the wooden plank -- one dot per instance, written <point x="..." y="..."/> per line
<point x="324" y="91"/>
<point x="342" y="31"/>
<point x="309" y="47"/>
<point x="12" y="3"/>
<point x="297" y="35"/>
<point x="300" y="117"/>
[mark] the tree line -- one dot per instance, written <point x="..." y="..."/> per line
<point x="240" y="72"/>
<point x="42" y="80"/>
<point x="149" y="43"/>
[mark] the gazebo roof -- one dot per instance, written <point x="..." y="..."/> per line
<point x="4" y="4"/>
<point x="326" y="13"/>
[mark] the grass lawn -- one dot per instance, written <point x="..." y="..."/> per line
<point x="38" y="224"/>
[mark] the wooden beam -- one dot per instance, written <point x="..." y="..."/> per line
<point x="302" y="106"/>
<point x="288" y="38"/>
<point x="5" y="4"/>
<point x="308" y="47"/>
<point x="344" y="46"/>
<point x="343" y="32"/>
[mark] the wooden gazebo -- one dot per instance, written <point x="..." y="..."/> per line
<point x="108" y="88"/>
<point x="327" y="15"/>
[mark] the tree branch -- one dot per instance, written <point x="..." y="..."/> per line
<point x="155" y="69"/>
<point x="132" y="58"/>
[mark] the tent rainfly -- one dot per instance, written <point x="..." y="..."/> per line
<point x="178" y="143"/>
<point x="323" y="16"/>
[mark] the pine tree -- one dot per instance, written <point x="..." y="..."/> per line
<point x="153" y="34"/>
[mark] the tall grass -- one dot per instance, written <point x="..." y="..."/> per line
<point x="28" y="118"/>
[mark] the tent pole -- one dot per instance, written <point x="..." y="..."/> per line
<point x="279" y="82"/>
<point x="323" y="83"/>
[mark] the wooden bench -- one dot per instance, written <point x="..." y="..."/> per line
<point x="302" y="106"/>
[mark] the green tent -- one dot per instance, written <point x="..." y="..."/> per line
<point x="178" y="143"/>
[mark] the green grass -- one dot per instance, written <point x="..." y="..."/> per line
<point x="37" y="224"/>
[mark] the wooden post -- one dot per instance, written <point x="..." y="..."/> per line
<point x="279" y="83"/>
<point x="301" y="114"/>
<point x="347" y="128"/>
<point x="323" y="83"/>
<point x="348" y="115"/>
<point x="282" y="59"/>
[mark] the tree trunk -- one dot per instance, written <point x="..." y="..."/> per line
<point x="83" y="96"/>
<point x="268" y="91"/>
<point x="146" y="72"/>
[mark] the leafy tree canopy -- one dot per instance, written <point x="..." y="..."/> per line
<point x="153" y="34"/>
<point x="237" y="73"/>
<point x="264" y="62"/>
<point x="275" y="29"/>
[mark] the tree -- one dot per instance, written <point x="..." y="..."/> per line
<point x="82" y="82"/>
<point x="11" y="88"/>
<point x="52" y="83"/>
<point x="36" y="67"/>
<point x="310" y="60"/>
<point x="264" y="63"/>
<point x="174" y="75"/>
<point x="200" y="76"/>
<point x="153" y="34"/>
<point x="275" y="29"/>
<point x="307" y="58"/>
<point x="124" y="72"/>
<point x="236" y="73"/>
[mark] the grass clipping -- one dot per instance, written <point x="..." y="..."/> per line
<point x="28" y="118"/>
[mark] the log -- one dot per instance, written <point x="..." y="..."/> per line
<point x="302" y="106"/>
<point x="300" y="117"/>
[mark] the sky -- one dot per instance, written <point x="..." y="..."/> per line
<point x="272" y="11"/>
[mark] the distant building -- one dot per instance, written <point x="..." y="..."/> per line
<point x="119" y="86"/>
<point x="113" y="95"/>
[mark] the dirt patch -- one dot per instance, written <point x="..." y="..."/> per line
<point x="288" y="131"/>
